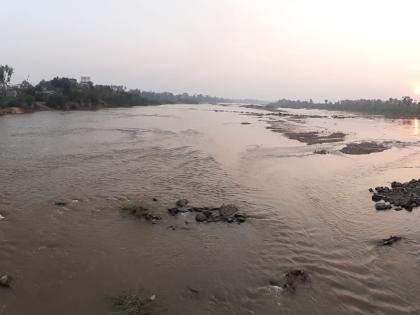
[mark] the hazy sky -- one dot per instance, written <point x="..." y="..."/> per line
<point x="265" y="49"/>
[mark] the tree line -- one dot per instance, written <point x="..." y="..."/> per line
<point x="67" y="93"/>
<point x="391" y="107"/>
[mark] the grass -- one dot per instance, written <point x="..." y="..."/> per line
<point x="142" y="208"/>
<point x="129" y="303"/>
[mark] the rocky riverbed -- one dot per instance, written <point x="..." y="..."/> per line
<point x="367" y="147"/>
<point x="84" y="213"/>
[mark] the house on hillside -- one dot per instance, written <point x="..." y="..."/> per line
<point x="85" y="81"/>
<point x="11" y="93"/>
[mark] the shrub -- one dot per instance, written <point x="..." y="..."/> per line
<point x="130" y="303"/>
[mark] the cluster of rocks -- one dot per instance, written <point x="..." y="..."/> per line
<point x="292" y="279"/>
<point x="225" y="213"/>
<point x="399" y="196"/>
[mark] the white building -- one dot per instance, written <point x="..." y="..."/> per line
<point x="84" y="80"/>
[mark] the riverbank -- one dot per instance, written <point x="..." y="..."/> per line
<point x="68" y="106"/>
<point x="11" y="111"/>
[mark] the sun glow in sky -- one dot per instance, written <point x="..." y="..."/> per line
<point x="416" y="88"/>
<point x="264" y="49"/>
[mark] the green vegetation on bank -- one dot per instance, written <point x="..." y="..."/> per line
<point x="68" y="93"/>
<point x="391" y="107"/>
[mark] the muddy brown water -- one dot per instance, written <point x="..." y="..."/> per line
<point x="313" y="212"/>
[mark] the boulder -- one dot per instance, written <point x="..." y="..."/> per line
<point x="201" y="217"/>
<point x="376" y="197"/>
<point x="382" y="205"/>
<point x="184" y="209"/>
<point x="5" y="281"/>
<point x="182" y="202"/>
<point x="228" y="210"/>
<point x="173" y="211"/>
<point x="396" y="184"/>
<point x="240" y="218"/>
<point x="295" y="277"/>
<point x="274" y="283"/>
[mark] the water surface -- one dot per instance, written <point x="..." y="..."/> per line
<point x="312" y="212"/>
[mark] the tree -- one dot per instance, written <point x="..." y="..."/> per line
<point x="6" y="73"/>
<point x="407" y="100"/>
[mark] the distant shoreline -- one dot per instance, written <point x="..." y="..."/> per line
<point x="391" y="108"/>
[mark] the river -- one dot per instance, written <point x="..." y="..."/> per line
<point x="309" y="211"/>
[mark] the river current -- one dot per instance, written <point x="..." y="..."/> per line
<point x="309" y="211"/>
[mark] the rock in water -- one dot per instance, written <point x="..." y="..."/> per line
<point x="382" y="205"/>
<point x="391" y="240"/>
<point x="184" y="209"/>
<point x="173" y="211"/>
<point x="274" y="283"/>
<point x="5" y="281"/>
<point x="182" y="202"/>
<point x="240" y="218"/>
<point x="228" y="210"/>
<point x="376" y="197"/>
<point x="364" y="148"/>
<point x="295" y="277"/>
<point x="201" y="217"/>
